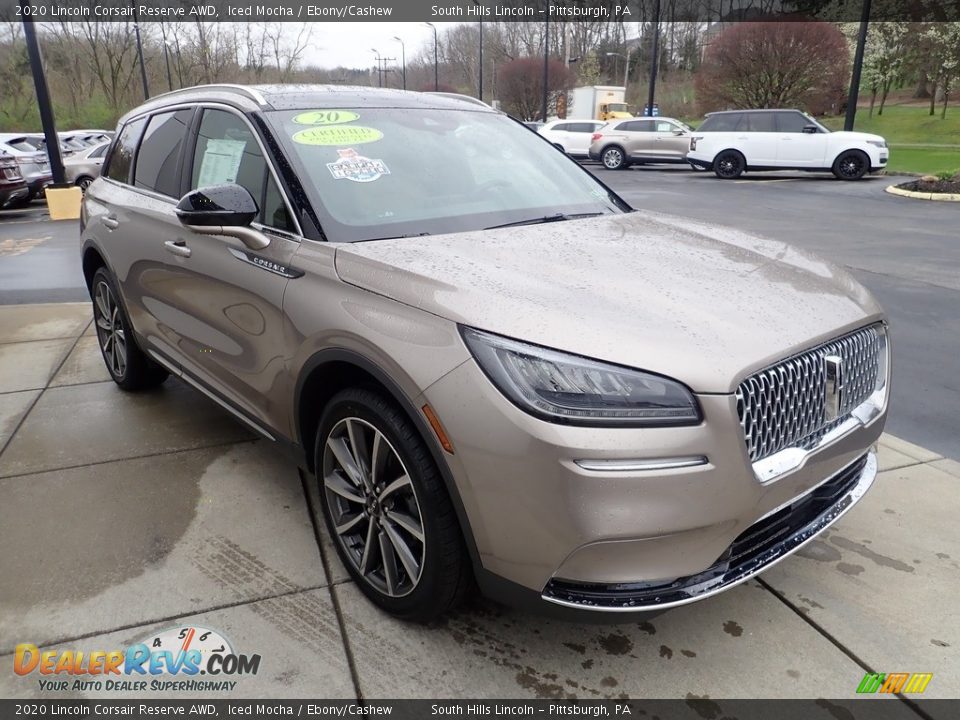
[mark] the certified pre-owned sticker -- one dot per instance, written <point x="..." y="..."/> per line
<point x="356" y="167"/>
<point x="325" y="117"/>
<point x="337" y="135"/>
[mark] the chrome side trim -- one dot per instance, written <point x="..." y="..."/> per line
<point x="786" y="548"/>
<point x="641" y="465"/>
<point x="222" y="403"/>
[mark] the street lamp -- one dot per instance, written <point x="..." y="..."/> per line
<point x="379" y="72"/>
<point x="626" y="69"/>
<point x="480" y="87"/>
<point x="403" y="56"/>
<point x="436" y="71"/>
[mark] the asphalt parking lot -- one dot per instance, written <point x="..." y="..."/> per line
<point x="123" y="515"/>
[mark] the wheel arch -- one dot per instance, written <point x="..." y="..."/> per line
<point x="333" y="369"/>
<point x="92" y="260"/>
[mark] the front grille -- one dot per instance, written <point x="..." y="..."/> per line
<point x="783" y="405"/>
<point x="761" y="544"/>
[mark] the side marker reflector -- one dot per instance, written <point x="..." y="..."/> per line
<point x="437" y="428"/>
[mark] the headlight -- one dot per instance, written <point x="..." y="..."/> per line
<point x="569" y="389"/>
<point x="878" y="143"/>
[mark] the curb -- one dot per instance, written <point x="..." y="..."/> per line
<point x="942" y="197"/>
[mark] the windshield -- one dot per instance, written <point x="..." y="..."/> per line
<point x="617" y="107"/>
<point x="386" y="172"/>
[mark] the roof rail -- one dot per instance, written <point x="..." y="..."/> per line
<point x="250" y="92"/>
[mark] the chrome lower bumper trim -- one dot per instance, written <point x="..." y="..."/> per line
<point x="720" y="577"/>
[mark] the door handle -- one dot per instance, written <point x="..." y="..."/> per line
<point x="110" y="222"/>
<point x="177" y="247"/>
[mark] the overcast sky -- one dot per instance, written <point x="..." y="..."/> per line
<point x="349" y="44"/>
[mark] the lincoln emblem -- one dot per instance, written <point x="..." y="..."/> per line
<point x="833" y="392"/>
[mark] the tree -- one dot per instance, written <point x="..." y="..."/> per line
<point x="944" y="39"/>
<point x="521" y="86"/>
<point x="884" y="56"/>
<point x="775" y="65"/>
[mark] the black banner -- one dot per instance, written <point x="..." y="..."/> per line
<point x="693" y="708"/>
<point x="468" y="11"/>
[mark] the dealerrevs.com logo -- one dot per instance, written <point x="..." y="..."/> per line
<point x="180" y="659"/>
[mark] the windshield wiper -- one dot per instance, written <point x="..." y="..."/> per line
<point x="394" y="237"/>
<point x="559" y="217"/>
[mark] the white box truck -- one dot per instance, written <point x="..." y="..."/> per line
<point x="597" y="102"/>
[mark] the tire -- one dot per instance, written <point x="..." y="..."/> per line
<point x="614" y="158"/>
<point x="851" y="165"/>
<point x="84" y="182"/>
<point x="371" y="515"/>
<point x="129" y="367"/>
<point x="729" y="165"/>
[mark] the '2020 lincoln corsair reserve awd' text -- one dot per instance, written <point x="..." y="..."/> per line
<point x="495" y="369"/>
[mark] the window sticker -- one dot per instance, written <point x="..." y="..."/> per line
<point x="357" y="168"/>
<point x="337" y="135"/>
<point x="221" y="162"/>
<point x="325" y="117"/>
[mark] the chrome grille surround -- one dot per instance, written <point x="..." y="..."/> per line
<point x="783" y="406"/>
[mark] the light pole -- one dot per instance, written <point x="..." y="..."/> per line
<point x="43" y="97"/>
<point x="436" y="66"/>
<point x="480" y="84"/>
<point x="143" y="68"/>
<point x="379" y="72"/>
<point x="403" y="56"/>
<point x="653" y="59"/>
<point x="626" y="68"/>
<point x="854" y="93"/>
<point x="546" y="66"/>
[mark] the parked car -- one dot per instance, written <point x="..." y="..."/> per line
<point x="737" y="141"/>
<point x="490" y="364"/>
<point x="534" y="125"/>
<point x="34" y="165"/>
<point x="621" y="144"/>
<point x="84" y="166"/>
<point x="13" y="188"/>
<point x="571" y="136"/>
<point x="39" y="142"/>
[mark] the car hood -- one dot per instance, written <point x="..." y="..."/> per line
<point x="702" y="304"/>
<point x="857" y="136"/>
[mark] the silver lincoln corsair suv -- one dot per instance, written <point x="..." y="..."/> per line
<point x="500" y="375"/>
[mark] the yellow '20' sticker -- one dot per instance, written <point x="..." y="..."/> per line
<point x="337" y="135"/>
<point x="325" y="117"/>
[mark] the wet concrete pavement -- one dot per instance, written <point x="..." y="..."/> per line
<point x="124" y="515"/>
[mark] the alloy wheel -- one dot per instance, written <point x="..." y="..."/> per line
<point x="612" y="158"/>
<point x="373" y="507"/>
<point x="851" y="166"/>
<point x="110" y="331"/>
<point x="84" y="183"/>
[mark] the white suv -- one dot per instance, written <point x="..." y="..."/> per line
<point x="735" y="141"/>
<point x="571" y="136"/>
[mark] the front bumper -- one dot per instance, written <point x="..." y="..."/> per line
<point x="586" y="516"/>
<point x="765" y="543"/>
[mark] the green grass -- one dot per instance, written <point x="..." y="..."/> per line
<point x="903" y="124"/>
<point x="925" y="161"/>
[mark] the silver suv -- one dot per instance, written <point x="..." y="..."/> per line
<point x="494" y="368"/>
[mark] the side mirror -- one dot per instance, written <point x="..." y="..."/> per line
<point x="218" y="205"/>
<point x="222" y="210"/>
<point x="811" y="129"/>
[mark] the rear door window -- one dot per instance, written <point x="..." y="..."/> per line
<point x="791" y="122"/>
<point x="758" y="122"/>
<point x="727" y="122"/>
<point x="121" y="158"/>
<point x="158" y="160"/>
